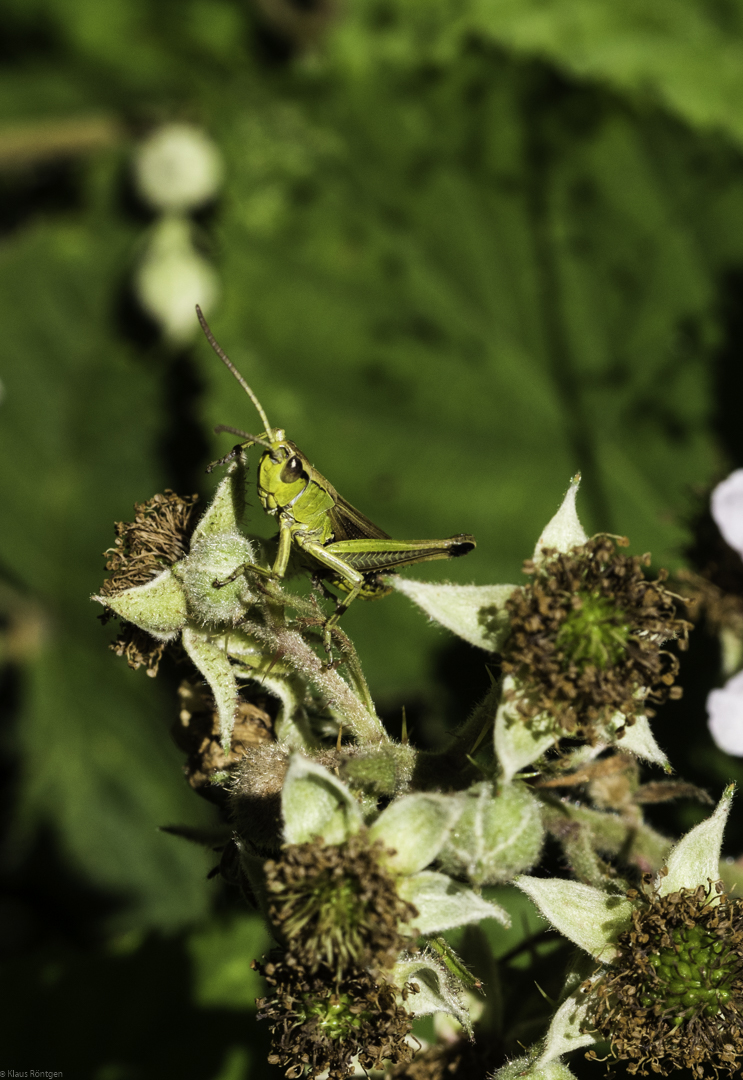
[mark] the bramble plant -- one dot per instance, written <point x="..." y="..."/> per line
<point x="364" y="854"/>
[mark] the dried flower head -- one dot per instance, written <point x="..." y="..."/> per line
<point x="672" y="997"/>
<point x="586" y="637"/>
<point x="321" y="1023"/>
<point x="337" y="905"/>
<point x="156" y="539"/>
<point x="197" y="732"/>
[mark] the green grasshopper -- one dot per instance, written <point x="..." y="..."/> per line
<point x="350" y="550"/>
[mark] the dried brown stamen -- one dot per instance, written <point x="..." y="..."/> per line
<point x="337" y="905"/>
<point x="157" y="538"/>
<point x="586" y="637"/>
<point x="321" y="1023"/>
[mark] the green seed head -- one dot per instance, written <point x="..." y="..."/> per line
<point x="336" y="1016"/>
<point x="595" y="632"/>
<point x="693" y="976"/>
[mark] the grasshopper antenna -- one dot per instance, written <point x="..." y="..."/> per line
<point x="228" y="363"/>
<point x="243" y="435"/>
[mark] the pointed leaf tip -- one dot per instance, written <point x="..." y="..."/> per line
<point x="695" y="859"/>
<point x="564" y="531"/>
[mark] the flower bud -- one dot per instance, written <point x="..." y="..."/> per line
<point x="498" y="834"/>
<point x="214" y="600"/>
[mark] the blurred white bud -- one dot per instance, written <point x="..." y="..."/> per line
<point x="725" y="711"/>
<point x="172" y="278"/>
<point x="177" y="168"/>
<point x="727" y="509"/>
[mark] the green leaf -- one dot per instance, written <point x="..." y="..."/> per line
<point x="221" y="954"/>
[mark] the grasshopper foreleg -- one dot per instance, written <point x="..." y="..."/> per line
<point x="243" y="568"/>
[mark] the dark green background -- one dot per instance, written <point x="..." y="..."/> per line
<point x="466" y="249"/>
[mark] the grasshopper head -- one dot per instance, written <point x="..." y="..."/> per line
<point x="282" y="473"/>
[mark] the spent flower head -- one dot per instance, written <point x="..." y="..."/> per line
<point x="581" y="643"/>
<point x="668" y="991"/>
<point x="586" y="638"/>
<point x="322" y="1023"/>
<point x="672" y="995"/>
<point x="337" y="904"/>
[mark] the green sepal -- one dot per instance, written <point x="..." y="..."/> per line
<point x="476" y="613"/>
<point x="210" y="657"/>
<point x="519" y="740"/>
<point x="159" y="606"/>
<point x="415" y="828"/>
<point x="386" y="770"/>
<point x="695" y="859"/>
<point x="314" y="802"/>
<point x="226" y="511"/>
<point x="566" y="1032"/>
<point x="443" y="904"/>
<point x="526" y="1068"/>
<point x="564" y="531"/>
<point x="438" y="991"/>
<point x="587" y="916"/>
<point x="638" y="739"/>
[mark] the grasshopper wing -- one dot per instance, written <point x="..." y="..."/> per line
<point x="348" y="523"/>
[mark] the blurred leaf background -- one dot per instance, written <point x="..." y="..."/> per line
<point x="466" y="249"/>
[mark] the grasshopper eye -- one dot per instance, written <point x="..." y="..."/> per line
<point x="292" y="470"/>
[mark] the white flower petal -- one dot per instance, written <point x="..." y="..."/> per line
<point x="727" y="509"/>
<point x="696" y="858"/>
<point x="725" y="712"/>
